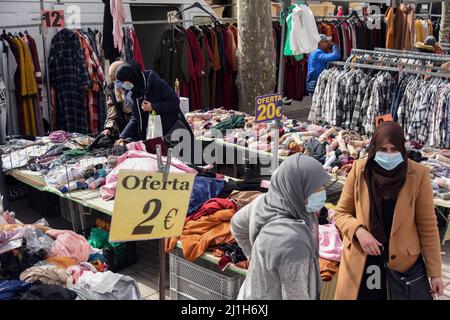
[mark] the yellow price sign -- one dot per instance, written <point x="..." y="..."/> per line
<point x="147" y="207"/>
<point x="269" y="107"/>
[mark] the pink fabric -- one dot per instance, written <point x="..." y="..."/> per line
<point x="138" y="146"/>
<point x="330" y="243"/>
<point x="138" y="160"/>
<point x="69" y="244"/>
<point x="118" y="15"/>
<point x="76" y="271"/>
<point x="59" y="136"/>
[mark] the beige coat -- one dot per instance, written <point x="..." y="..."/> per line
<point x="414" y="227"/>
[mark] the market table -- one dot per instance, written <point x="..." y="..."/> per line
<point x="90" y="199"/>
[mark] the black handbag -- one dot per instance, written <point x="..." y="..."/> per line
<point x="410" y="285"/>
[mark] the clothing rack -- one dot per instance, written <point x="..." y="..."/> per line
<point x="385" y="68"/>
<point x="422" y="15"/>
<point x="20" y="26"/>
<point x="346" y="17"/>
<point x="403" y="64"/>
<point x="399" y="54"/>
<point x="410" y="52"/>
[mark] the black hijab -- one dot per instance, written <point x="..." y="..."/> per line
<point x="132" y="72"/>
<point x="384" y="184"/>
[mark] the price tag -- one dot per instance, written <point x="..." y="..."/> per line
<point x="147" y="207"/>
<point x="53" y="18"/>
<point x="269" y="107"/>
<point x="386" y="118"/>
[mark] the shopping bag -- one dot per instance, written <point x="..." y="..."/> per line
<point x="154" y="127"/>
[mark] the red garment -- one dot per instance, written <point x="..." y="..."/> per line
<point x="228" y="70"/>
<point x="97" y="77"/>
<point x="198" y="67"/>
<point x="211" y="207"/>
<point x="138" y="57"/>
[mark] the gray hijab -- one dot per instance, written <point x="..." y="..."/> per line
<point x="296" y="179"/>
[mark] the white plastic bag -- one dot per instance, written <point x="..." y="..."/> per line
<point x="154" y="127"/>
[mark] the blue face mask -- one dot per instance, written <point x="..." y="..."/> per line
<point x="128" y="86"/>
<point x="389" y="161"/>
<point x="316" y="201"/>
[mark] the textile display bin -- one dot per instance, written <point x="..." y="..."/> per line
<point x="117" y="258"/>
<point x="201" y="280"/>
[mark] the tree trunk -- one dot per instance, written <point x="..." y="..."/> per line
<point x="256" y="52"/>
<point x="444" y="35"/>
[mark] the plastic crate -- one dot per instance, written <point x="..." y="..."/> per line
<point x="117" y="258"/>
<point x="196" y="281"/>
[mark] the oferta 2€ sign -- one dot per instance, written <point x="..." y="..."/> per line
<point x="269" y="107"/>
<point x="147" y="207"/>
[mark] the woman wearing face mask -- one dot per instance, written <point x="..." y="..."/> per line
<point x="386" y="215"/>
<point x="278" y="232"/>
<point x="148" y="93"/>
<point x="118" y="113"/>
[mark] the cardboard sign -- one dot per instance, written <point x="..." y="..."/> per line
<point x="386" y="118"/>
<point x="147" y="207"/>
<point x="53" y="18"/>
<point x="269" y="107"/>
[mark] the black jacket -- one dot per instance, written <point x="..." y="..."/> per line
<point x="165" y="103"/>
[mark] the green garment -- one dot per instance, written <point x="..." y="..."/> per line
<point x="74" y="153"/>
<point x="287" y="47"/>
<point x="231" y="123"/>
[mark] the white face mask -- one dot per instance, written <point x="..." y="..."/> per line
<point x="316" y="201"/>
<point x="128" y="86"/>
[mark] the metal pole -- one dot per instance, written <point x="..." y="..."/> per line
<point x="276" y="139"/>
<point x="162" y="270"/>
<point x="284" y="6"/>
<point x="47" y="78"/>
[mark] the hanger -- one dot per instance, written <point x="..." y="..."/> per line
<point x="199" y="6"/>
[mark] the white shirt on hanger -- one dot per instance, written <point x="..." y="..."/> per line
<point x="304" y="35"/>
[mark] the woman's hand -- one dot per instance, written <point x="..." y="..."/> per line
<point x="106" y="132"/>
<point x="120" y="142"/>
<point x="368" y="242"/>
<point x="437" y="286"/>
<point x="146" y="106"/>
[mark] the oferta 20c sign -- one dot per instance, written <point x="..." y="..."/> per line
<point x="269" y="107"/>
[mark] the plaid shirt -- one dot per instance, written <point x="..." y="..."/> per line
<point x="357" y="116"/>
<point x="436" y="118"/>
<point x="365" y="104"/>
<point x="315" y="115"/>
<point x="405" y="103"/>
<point x="337" y="100"/>
<point x="328" y="97"/>
<point x="417" y="112"/>
<point x="69" y="76"/>
<point x="351" y="92"/>
<point x="98" y="80"/>
<point x="443" y="128"/>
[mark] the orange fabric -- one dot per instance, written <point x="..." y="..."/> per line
<point x="219" y="253"/>
<point x="327" y="269"/>
<point x="243" y="264"/>
<point x="201" y="234"/>
<point x="63" y="262"/>
<point x="390" y="17"/>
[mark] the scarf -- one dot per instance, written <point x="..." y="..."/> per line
<point x="384" y="184"/>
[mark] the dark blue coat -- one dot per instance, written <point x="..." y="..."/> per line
<point x="164" y="101"/>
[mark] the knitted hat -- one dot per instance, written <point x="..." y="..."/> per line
<point x="430" y="41"/>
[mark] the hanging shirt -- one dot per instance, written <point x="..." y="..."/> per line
<point x="304" y="36"/>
